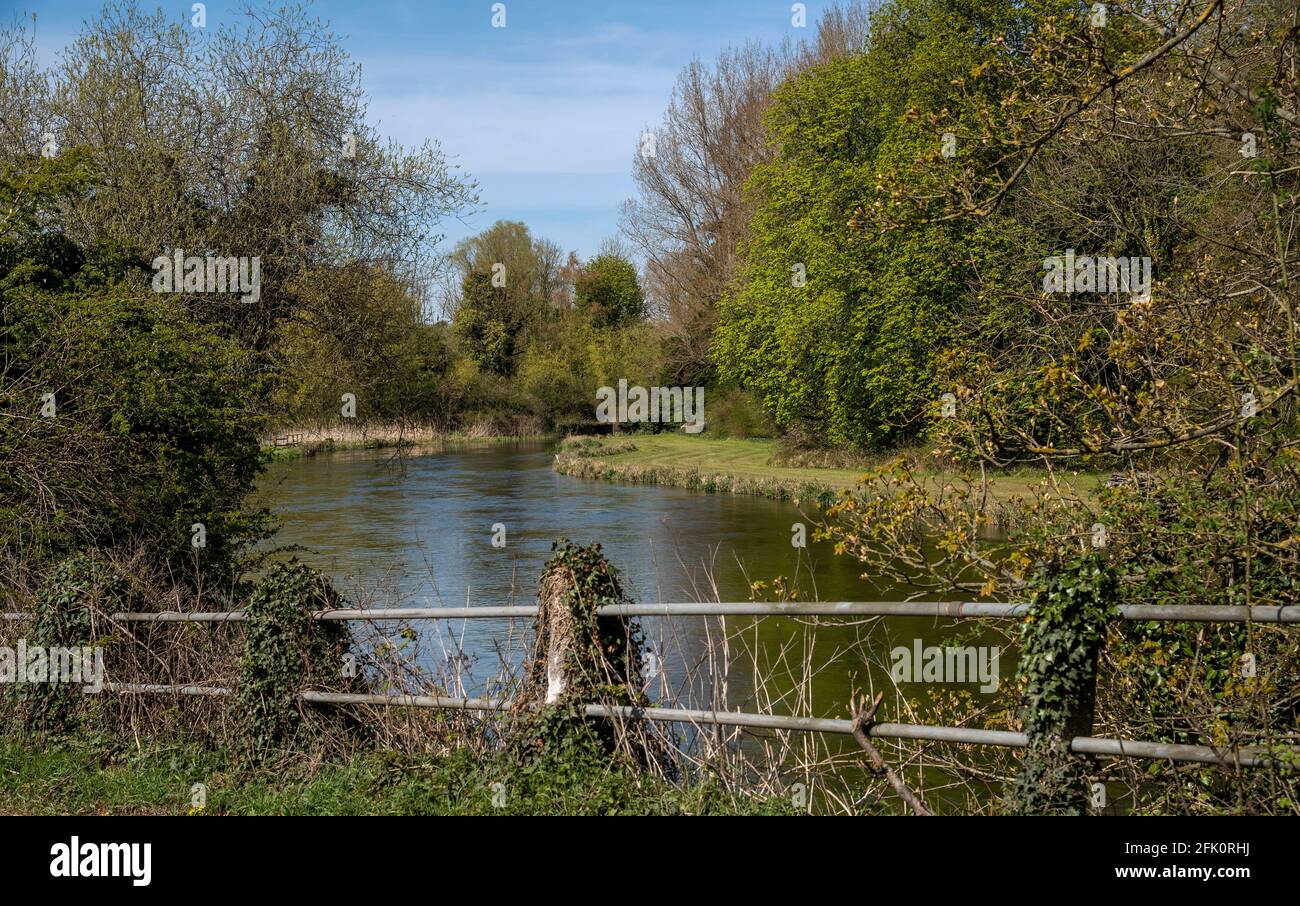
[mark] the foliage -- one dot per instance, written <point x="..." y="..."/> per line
<point x="602" y="654"/>
<point x="126" y="422"/>
<point x="558" y="375"/>
<point x="365" y="335"/>
<point x="87" y="776"/>
<point x="734" y="413"/>
<point x="262" y="173"/>
<point x="608" y="291"/>
<point x="600" y="660"/>
<point x="837" y="332"/>
<point x="1070" y="606"/>
<point x="285" y="653"/>
<point x="1107" y="141"/>
<point x="487" y="324"/>
<point x="1222" y="538"/>
<point x="73" y="589"/>
<point x="508" y="282"/>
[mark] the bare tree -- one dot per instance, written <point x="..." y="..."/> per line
<point x="24" y="93"/>
<point x="691" y="211"/>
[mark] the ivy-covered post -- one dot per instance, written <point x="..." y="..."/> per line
<point x="1070" y="605"/>
<point x="581" y="657"/>
<point x="285" y="651"/>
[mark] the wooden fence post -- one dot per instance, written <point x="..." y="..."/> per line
<point x="585" y="658"/>
<point x="579" y="652"/>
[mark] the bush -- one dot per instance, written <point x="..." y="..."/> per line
<point x="608" y="291"/>
<point x="134" y="421"/>
<point x="64" y="602"/>
<point x="735" y="413"/>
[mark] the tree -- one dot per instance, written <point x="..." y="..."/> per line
<point x="1167" y="134"/>
<point x="508" y="288"/>
<point x="608" y="291"/>
<point x="691" y="213"/>
<point x="488" y="324"/>
<point x="374" y="346"/>
<point x="837" y="331"/>
<point x="125" y="422"/>
<point x="247" y="138"/>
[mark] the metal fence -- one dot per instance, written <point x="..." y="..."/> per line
<point x="1245" y="756"/>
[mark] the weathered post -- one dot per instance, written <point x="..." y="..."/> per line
<point x="582" y="657"/>
<point x="580" y="652"/>
<point x="287" y="651"/>
<point x="67" y="602"/>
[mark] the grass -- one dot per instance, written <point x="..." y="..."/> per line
<point x="746" y="466"/>
<point x="79" y="776"/>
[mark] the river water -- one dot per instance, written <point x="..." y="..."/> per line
<point x="418" y="530"/>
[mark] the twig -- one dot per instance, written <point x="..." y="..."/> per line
<point x="862" y="721"/>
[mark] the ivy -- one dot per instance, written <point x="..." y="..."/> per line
<point x="603" y="658"/>
<point x="62" y="618"/>
<point x="286" y="652"/>
<point x="1070" y="606"/>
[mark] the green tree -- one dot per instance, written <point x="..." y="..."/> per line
<point x="508" y="288"/>
<point x="838" y="332"/>
<point x="125" y="422"/>
<point x="488" y="324"/>
<point x="608" y="290"/>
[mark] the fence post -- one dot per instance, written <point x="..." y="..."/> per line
<point x="286" y="651"/>
<point x="579" y="653"/>
<point x="67" y="603"/>
<point x="583" y="658"/>
<point x="558" y="632"/>
<point x="1060" y="642"/>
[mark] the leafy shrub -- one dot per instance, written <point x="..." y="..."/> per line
<point x="735" y="413"/>
<point x="62" y="618"/>
<point x="136" y="421"/>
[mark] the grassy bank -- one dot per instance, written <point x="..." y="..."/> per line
<point x="78" y="776"/>
<point x="743" y="467"/>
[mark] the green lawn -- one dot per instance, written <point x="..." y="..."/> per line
<point x="751" y="459"/>
<point x="734" y="457"/>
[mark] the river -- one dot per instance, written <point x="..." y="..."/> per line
<point x="418" y="531"/>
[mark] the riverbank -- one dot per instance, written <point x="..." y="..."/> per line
<point x="289" y="444"/>
<point x="747" y="467"/>
<point x="82" y="777"/>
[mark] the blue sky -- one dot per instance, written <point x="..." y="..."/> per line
<point x="545" y="113"/>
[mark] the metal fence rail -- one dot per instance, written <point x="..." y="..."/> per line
<point x="1192" y="613"/>
<point x="1246" y="756"/>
